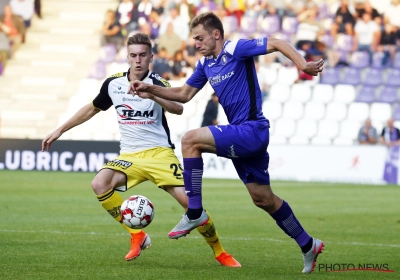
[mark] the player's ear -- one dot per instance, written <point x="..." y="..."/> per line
<point x="216" y="34"/>
<point x="151" y="58"/>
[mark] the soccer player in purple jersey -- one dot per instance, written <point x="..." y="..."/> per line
<point x="229" y="67"/>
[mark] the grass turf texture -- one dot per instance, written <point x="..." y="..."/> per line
<point x="52" y="227"/>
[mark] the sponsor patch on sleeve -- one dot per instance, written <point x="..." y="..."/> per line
<point x="165" y="83"/>
<point x="161" y="79"/>
<point x="117" y="75"/>
<point x="260" y="41"/>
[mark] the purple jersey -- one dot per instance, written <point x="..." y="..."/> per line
<point x="233" y="77"/>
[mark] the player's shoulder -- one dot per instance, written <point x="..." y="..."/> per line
<point x="202" y="60"/>
<point x="115" y="76"/>
<point x="158" y="80"/>
<point x="231" y="45"/>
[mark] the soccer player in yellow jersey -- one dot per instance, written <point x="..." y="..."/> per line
<point x="146" y="149"/>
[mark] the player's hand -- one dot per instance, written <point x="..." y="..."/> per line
<point x="140" y="88"/>
<point x="314" y="67"/>
<point x="46" y="143"/>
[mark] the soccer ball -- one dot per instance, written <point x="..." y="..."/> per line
<point x="137" y="212"/>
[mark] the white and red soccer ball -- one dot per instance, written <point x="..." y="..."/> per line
<point x="137" y="212"/>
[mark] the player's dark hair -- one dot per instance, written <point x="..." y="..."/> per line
<point x="140" y="39"/>
<point x="209" y="21"/>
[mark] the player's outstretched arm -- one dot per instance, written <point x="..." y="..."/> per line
<point x="181" y="94"/>
<point x="170" y="106"/>
<point x="311" y="68"/>
<point x="83" y="114"/>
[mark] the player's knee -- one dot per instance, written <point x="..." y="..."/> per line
<point x="99" y="187"/>
<point x="188" y="140"/>
<point x="264" y="202"/>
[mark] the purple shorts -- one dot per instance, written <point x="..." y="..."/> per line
<point x="246" y="145"/>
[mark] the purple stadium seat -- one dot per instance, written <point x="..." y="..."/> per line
<point x="343" y="56"/>
<point x="345" y="43"/>
<point x="351" y="76"/>
<point x="396" y="62"/>
<point x="122" y="56"/>
<point x="98" y="70"/>
<point x="270" y="24"/>
<point x="230" y="24"/>
<point x="289" y="25"/>
<point x="373" y="77"/>
<point x="142" y="15"/>
<point x="330" y="76"/>
<point x="323" y="11"/>
<point x="240" y="35"/>
<point x="282" y="36"/>
<point x="249" y="24"/>
<point x="396" y="112"/>
<point x="388" y="95"/>
<point x="327" y="40"/>
<point x="393" y="77"/>
<point x="108" y="53"/>
<point x="377" y="58"/>
<point x="366" y="94"/>
<point x="359" y="59"/>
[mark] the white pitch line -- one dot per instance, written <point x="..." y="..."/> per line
<point x="196" y="237"/>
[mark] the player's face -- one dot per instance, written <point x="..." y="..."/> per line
<point x="139" y="58"/>
<point x="205" y="42"/>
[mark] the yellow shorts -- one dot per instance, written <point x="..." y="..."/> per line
<point x="159" y="165"/>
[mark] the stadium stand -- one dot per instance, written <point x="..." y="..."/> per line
<point x="46" y="71"/>
<point x="63" y="67"/>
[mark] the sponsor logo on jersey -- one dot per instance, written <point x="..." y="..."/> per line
<point x="214" y="80"/>
<point x="119" y="163"/>
<point x="219" y="78"/>
<point x="260" y="41"/>
<point x="132" y="99"/>
<point x="119" y="91"/>
<point x="127" y="113"/>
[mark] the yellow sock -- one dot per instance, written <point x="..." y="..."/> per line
<point x="210" y="234"/>
<point x="111" y="201"/>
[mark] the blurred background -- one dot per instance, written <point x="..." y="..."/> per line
<point x="54" y="56"/>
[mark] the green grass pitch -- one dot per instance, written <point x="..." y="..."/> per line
<point x="52" y="227"/>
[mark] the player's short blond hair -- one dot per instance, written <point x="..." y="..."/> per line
<point x="140" y="39"/>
